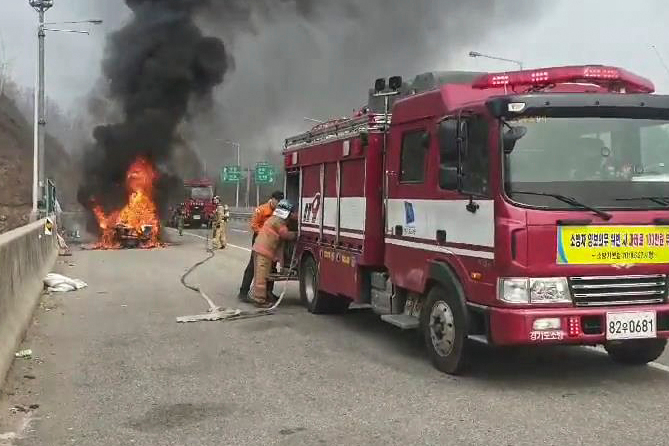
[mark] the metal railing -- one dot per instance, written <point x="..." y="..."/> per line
<point x="241" y="213"/>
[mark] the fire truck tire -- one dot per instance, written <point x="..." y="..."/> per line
<point x="637" y="351"/>
<point x="444" y="326"/>
<point x="316" y="301"/>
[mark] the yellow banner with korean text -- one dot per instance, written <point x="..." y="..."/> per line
<point x="610" y="245"/>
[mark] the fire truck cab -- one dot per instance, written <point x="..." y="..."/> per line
<point x="517" y="208"/>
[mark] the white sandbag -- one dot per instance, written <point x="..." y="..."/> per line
<point x="59" y="283"/>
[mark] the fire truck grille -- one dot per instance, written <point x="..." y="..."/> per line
<point x="618" y="290"/>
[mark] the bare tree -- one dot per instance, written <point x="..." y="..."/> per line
<point x="4" y="66"/>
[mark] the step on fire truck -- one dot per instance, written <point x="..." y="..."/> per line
<point x="516" y="208"/>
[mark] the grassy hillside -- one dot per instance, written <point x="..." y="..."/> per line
<point x="16" y="164"/>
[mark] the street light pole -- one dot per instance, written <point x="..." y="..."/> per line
<point x="39" y="136"/>
<point x="487" y="56"/>
<point x="41" y="6"/>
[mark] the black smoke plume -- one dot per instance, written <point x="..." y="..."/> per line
<point x="156" y="67"/>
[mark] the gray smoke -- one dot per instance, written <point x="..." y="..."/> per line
<point x="283" y="60"/>
<point x="317" y="58"/>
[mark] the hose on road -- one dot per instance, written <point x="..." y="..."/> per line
<point x="216" y="313"/>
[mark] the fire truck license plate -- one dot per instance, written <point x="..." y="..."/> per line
<point x="631" y="325"/>
<point x="196" y="217"/>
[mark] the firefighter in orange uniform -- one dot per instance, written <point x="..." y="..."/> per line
<point x="268" y="249"/>
<point x="260" y="216"/>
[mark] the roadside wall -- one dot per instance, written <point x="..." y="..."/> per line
<point x="26" y="256"/>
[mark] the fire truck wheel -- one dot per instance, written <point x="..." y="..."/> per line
<point x="316" y="301"/>
<point x="636" y="352"/>
<point x="444" y="325"/>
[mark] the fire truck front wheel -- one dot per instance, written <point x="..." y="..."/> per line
<point x="316" y="301"/>
<point x="637" y="351"/>
<point x="444" y="325"/>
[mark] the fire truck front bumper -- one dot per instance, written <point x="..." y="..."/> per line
<point x="585" y="326"/>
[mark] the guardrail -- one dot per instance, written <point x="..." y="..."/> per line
<point x="241" y="213"/>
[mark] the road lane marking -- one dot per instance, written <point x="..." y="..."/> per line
<point x="653" y="365"/>
<point x="205" y="238"/>
<point x="240" y="230"/>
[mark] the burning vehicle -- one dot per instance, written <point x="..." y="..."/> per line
<point x="137" y="224"/>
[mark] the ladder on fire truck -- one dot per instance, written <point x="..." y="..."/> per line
<point x="339" y="128"/>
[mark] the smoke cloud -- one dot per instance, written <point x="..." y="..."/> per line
<point x="292" y="59"/>
<point x="156" y="67"/>
<point x="317" y="58"/>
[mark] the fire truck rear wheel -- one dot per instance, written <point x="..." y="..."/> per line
<point x="444" y="325"/>
<point x="316" y="301"/>
<point x="636" y="352"/>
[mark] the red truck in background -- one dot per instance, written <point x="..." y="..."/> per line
<point x="517" y="208"/>
<point x="199" y="202"/>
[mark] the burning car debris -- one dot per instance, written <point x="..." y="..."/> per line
<point x="136" y="225"/>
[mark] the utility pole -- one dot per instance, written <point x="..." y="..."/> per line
<point x="257" y="194"/>
<point x="39" y="130"/>
<point x="248" y="186"/>
<point x="41" y="6"/>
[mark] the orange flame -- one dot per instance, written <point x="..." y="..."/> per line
<point x="139" y="218"/>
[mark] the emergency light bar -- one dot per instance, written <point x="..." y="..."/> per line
<point x="612" y="78"/>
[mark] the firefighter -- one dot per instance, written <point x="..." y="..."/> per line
<point x="221" y="218"/>
<point x="261" y="214"/>
<point x="181" y="217"/>
<point x="268" y="249"/>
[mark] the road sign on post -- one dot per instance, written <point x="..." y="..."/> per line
<point x="231" y="174"/>
<point x="264" y="173"/>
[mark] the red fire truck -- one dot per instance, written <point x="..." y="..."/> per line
<point x="199" y="202"/>
<point x="516" y="208"/>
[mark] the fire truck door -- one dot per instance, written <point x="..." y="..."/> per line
<point x="431" y="212"/>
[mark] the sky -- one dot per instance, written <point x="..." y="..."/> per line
<point x="559" y="32"/>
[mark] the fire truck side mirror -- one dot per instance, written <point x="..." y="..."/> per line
<point x="448" y="137"/>
<point x="511" y="137"/>
<point x="379" y="85"/>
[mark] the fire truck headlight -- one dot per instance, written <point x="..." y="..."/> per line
<point x="554" y="290"/>
<point x="523" y="290"/>
<point x="514" y="290"/>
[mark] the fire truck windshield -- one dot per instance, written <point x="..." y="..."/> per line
<point x="613" y="163"/>
<point x="202" y="193"/>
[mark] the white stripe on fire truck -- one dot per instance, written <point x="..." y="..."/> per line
<point x="342" y="233"/>
<point x="352" y="211"/>
<point x="423" y="218"/>
<point x="442" y="249"/>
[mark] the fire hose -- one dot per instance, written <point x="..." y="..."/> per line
<point x="216" y="313"/>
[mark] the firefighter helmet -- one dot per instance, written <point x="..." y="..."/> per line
<point x="286" y="205"/>
<point x="283" y="209"/>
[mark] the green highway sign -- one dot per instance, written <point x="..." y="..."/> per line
<point x="264" y="173"/>
<point x="231" y="174"/>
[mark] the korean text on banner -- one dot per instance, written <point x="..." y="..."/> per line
<point x="607" y="245"/>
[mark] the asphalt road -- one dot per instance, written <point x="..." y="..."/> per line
<point x="112" y="367"/>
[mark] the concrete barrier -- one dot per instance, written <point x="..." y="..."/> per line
<point x="26" y="256"/>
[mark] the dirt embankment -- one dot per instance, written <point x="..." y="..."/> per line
<point x="16" y="166"/>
